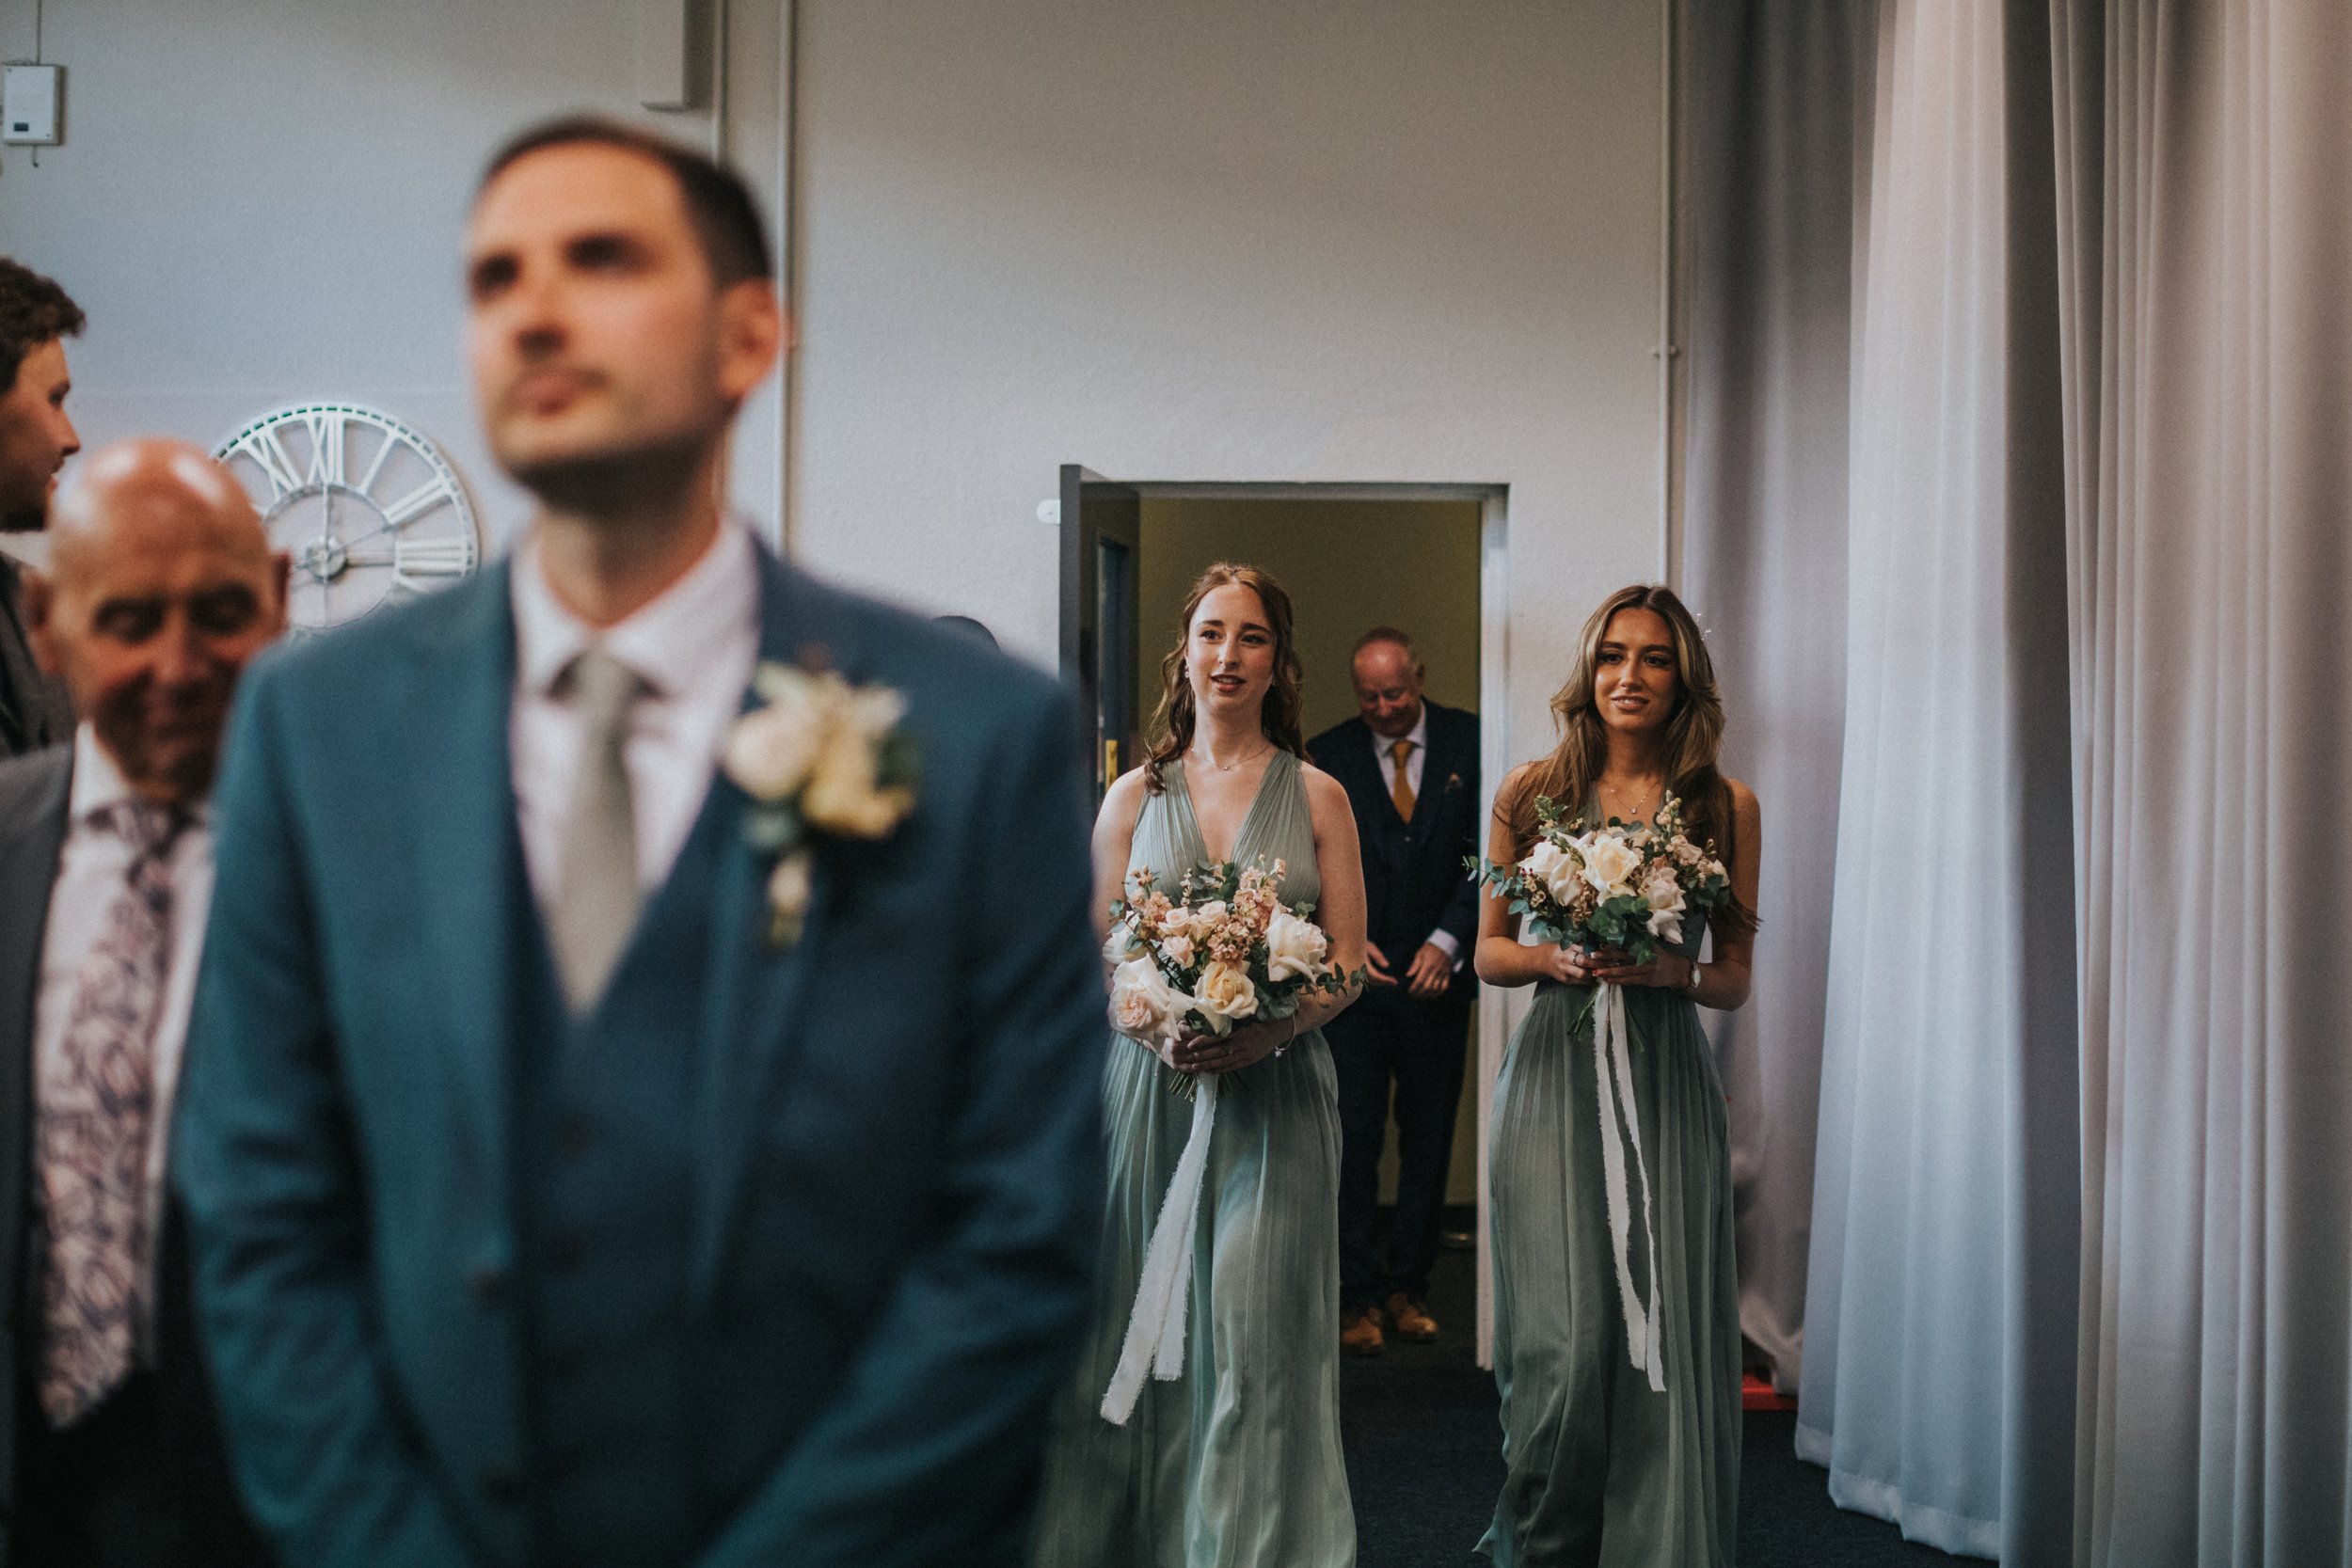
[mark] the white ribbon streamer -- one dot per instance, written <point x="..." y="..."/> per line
<point x="1155" y="1330"/>
<point x="1643" y="1323"/>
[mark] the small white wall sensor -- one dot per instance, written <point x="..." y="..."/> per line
<point x="28" y="104"/>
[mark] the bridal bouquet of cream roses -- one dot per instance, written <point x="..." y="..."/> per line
<point x="1627" y="886"/>
<point x="1223" y="950"/>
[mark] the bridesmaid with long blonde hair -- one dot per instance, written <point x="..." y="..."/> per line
<point x="1236" y="1464"/>
<point x="1614" y="1455"/>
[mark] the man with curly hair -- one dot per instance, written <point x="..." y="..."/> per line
<point x="36" y="438"/>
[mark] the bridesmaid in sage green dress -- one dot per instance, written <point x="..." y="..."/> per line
<point x="1236" y="1464"/>
<point x="1603" y="1468"/>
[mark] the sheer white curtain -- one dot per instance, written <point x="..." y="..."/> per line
<point x="1773" y="106"/>
<point x="2207" y="229"/>
<point x="2080" y="1284"/>
<point x="1937" y="1380"/>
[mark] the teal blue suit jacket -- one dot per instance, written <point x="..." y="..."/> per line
<point x="896" y="1118"/>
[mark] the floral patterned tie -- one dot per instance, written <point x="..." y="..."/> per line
<point x="96" y="1107"/>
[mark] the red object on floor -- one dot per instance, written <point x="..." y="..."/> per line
<point x="1757" y="1394"/>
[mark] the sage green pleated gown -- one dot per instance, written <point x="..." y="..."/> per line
<point x="1236" y="1464"/>
<point x="1599" y="1470"/>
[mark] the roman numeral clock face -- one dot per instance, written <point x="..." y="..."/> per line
<point x="368" y="510"/>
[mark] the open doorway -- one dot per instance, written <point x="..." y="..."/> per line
<point x="1425" y="559"/>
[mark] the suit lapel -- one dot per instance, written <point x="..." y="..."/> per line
<point x="20" y="677"/>
<point x="466" y="852"/>
<point x="753" y="1013"/>
<point x="30" y="848"/>
<point x="1356" y="766"/>
<point x="32" y="841"/>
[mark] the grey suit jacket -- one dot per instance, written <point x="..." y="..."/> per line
<point x="34" y="710"/>
<point x="35" y="791"/>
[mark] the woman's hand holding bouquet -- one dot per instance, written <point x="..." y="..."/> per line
<point x="1613" y="896"/>
<point x="1210" y="979"/>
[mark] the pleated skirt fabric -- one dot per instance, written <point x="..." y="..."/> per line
<point x="1601" y="1471"/>
<point x="1237" y="1464"/>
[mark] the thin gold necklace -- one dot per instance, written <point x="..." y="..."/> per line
<point x="1229" y="766"/>
<point x="1639" y="802"/>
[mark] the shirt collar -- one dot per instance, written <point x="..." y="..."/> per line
<point x="668" y="643"/>
<point x="1418" y="735"/>
<point x="98" y="783"/>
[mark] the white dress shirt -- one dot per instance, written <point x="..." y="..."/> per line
<point x="694" y="646"/>
<point x="1384" y="748"/>
<point x="91" y="878"/>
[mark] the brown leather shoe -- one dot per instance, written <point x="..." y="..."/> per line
<point x="1412" y="1321"/>
<point x="1360" y="1332"/>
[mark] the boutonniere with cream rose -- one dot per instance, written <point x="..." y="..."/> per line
<point x="1627" y="886"/>
<point x="819" y="758"/>
<point x="1221" y="951"/>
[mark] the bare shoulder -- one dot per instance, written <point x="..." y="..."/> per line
<point x="1322" y="788"/>
<point x="1514" y="785"/>
<point x="1123" y="804"/>
<point x="1747" y="818"/>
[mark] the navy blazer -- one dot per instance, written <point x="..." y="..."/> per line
<point x="1414" y="879"/>
<point x="891" y="1242"/>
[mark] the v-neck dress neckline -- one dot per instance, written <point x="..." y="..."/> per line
<point x="1280" y="761"/>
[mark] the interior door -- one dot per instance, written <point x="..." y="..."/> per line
<point x="1101" y="533"/>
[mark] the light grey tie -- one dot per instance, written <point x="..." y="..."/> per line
<point x="597" y="892"/>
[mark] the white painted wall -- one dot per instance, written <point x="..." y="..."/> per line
<point x="258" y="201"/>
<point x="1323" y="240"/>
<point x="1345" y="241"/>
<point x="1327" y="239"/>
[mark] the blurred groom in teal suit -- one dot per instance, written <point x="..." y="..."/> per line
<point x="590" y="1157"/>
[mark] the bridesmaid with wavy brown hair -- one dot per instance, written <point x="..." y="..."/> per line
<point x="1236" y="1464"/>
<point x="1617" y="1456"/>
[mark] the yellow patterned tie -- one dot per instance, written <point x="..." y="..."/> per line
<point x="1402" y="791"/>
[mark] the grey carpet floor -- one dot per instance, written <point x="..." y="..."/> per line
<point x="1423" y="1462"/>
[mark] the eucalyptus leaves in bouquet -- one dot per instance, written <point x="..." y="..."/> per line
<point x="1623" y="886"/>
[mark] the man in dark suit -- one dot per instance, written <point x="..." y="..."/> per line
<point x="1412" y="772"/>
<point x="160" y="587"/>
<point x="588" y="1161"/>
<point x="36" y="438"/>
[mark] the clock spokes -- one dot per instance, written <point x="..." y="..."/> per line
<point x="402" y="526"/>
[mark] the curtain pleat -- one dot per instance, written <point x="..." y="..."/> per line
<point x="2206" y="245"/>
<point x="1773" y="107"/>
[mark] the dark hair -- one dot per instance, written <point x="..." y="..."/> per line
<point x="1173" y="725"/>
<point x="718" y="203"/>
<point x="32" y="311"/>
<point x="969" y="626"/>
<point x="1693" y="731"/>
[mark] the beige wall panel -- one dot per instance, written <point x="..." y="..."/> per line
<point x="1347" y="565"/>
